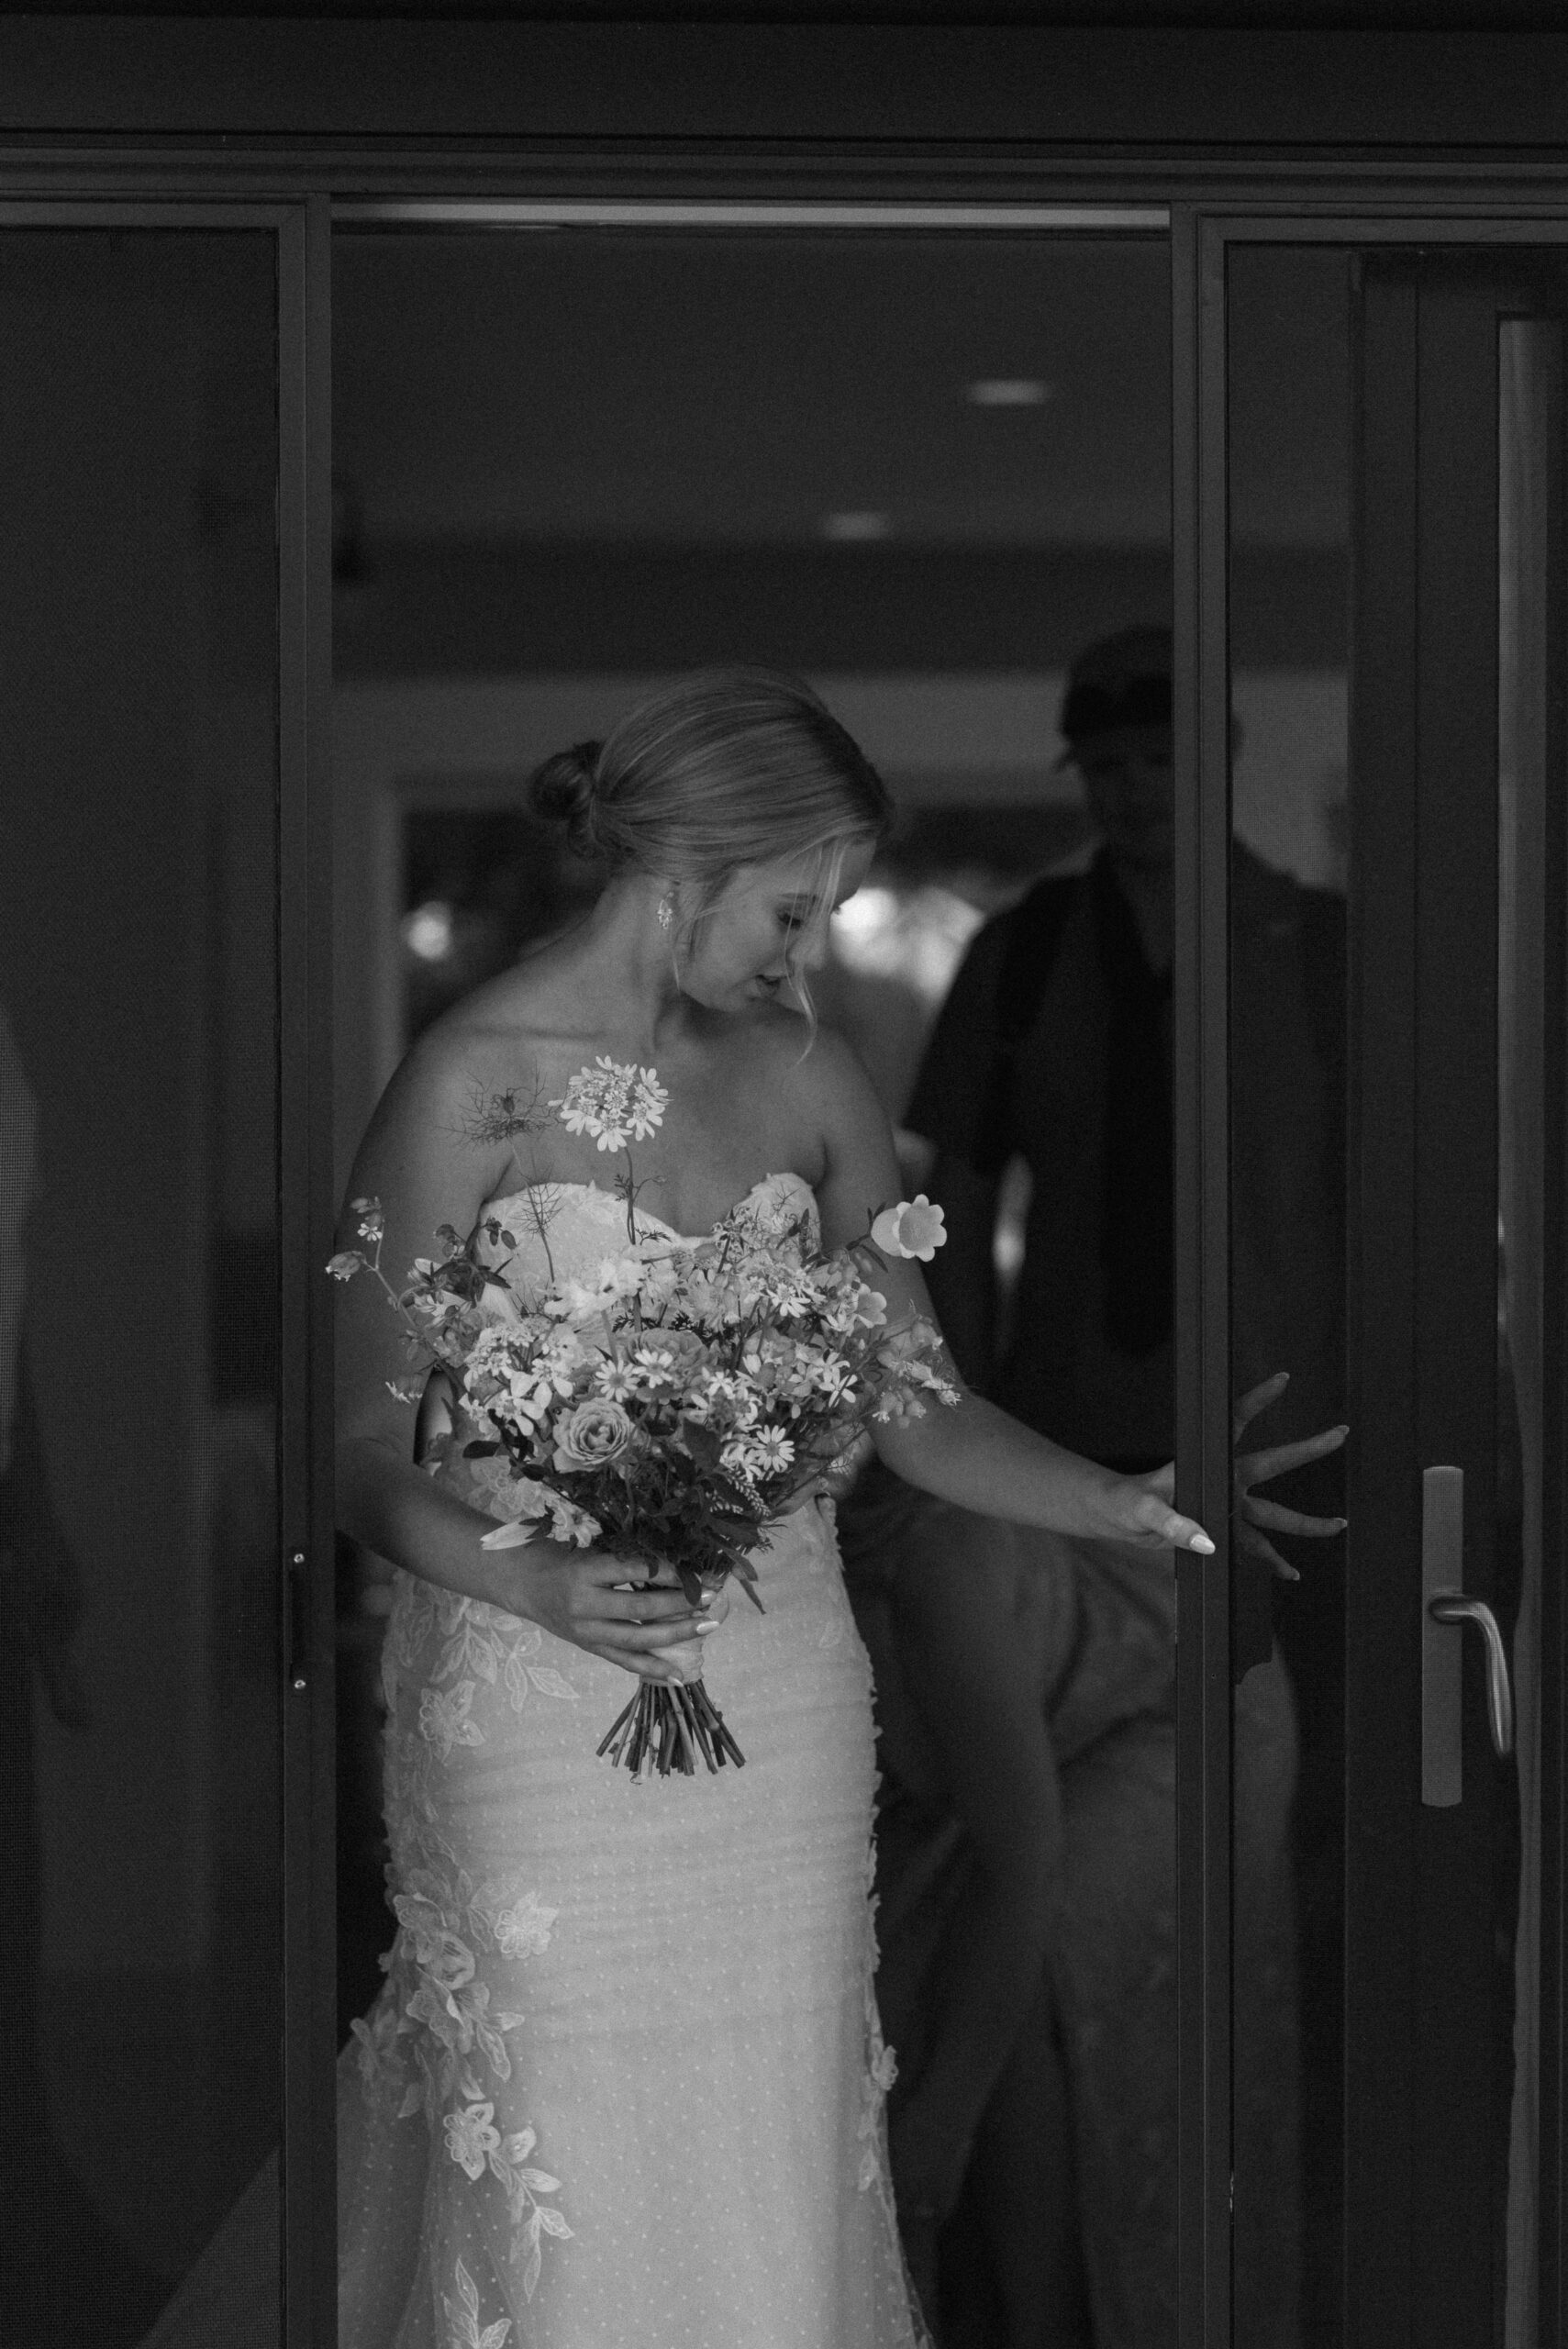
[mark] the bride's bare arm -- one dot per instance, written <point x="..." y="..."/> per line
<point x="974" y="1454"/>
<point x="421" y="1159"/>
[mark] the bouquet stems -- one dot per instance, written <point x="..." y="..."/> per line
<point x="666" y="1727"/>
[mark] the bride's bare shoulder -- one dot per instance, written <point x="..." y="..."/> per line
<point x="815" y="1079"/>
<point x="501" y="1034"/>
<point x="820" y="1066"/>
<point x="479" y="1067"/>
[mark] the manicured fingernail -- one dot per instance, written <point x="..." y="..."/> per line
<point x="1201" y="1541"/>
<point x="707" y="1598"/>
<point x="704" y="1628"/>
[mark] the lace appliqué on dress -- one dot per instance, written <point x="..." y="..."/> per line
<point x="881" y="2064"/>
<point x="435" y="2010"/>
<point x="463" y="2318"/>
<point x="478" y="1641"/>
<point x="432" y="2044"/>
<point x="476" y="2144"/>
<point x="880" y="2071"/>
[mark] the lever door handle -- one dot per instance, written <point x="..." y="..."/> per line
<point x="1453" y="1607"/>
<point x="1445" y="1611"/>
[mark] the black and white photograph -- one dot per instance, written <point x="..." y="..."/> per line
<point x="784" y="1176"/>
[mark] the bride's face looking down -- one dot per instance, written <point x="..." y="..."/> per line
<point x="767" y="923"/>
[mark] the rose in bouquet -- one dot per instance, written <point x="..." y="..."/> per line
<point x="676" y="1402"/>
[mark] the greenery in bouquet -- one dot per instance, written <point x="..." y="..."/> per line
<point x="672" y="1403"/>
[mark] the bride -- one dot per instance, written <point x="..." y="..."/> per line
<point x="623" y="2081"/>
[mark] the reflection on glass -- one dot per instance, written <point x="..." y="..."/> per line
<point x="139" y="1786"/>
<point x="1289" y="408"/>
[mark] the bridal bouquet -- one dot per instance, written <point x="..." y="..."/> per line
<point x="673" y="1403"/>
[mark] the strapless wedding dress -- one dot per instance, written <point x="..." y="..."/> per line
<point x="624" y="2083"/>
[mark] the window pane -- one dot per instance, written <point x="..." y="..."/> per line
<point x="929" y="473"/>
<point x="137" y="1263"/>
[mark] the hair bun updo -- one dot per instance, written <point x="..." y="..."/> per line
<point x="566" y="790"/>
<point x="726" y="768"/>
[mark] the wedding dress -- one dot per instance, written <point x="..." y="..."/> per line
<point x="624" y="2083"/>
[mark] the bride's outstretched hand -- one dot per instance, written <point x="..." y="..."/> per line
<point x="1138" y="1509"/>
<point x="1143" y="1503"/>
<point x="1255" y="1518"/>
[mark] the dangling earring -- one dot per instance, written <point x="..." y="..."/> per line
<point x="666" y="913"/>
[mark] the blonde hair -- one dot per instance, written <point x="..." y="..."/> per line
<point x="725" y="768"/>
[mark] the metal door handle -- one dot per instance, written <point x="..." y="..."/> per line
<point x="1453" y="1607"/>
<point x="1445" y="1611"/>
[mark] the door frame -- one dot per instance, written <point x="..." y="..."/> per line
<point x="1212" y="202"/>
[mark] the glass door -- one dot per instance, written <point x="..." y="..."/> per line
<point x="154" y="1204"/>
<point x="1394" y="959"/>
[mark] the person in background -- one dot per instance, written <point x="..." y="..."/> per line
<point x="1043" y="1810"/>
<point x="1053" y="1047"/>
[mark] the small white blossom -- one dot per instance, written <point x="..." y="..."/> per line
<point x="771" y="1450"/>
<point x="613" y="1102"/>
<point x="762" y="1451"/>
<point x="505" y="1494"/>
<point x="913" y="1228"/>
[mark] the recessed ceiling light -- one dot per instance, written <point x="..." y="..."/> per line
<point x="1009" y="391"/>
<point x="856" y="526"/>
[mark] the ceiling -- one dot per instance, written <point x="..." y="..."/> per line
<point x="1394" y="16"/>
<point x="506" y="388"/>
